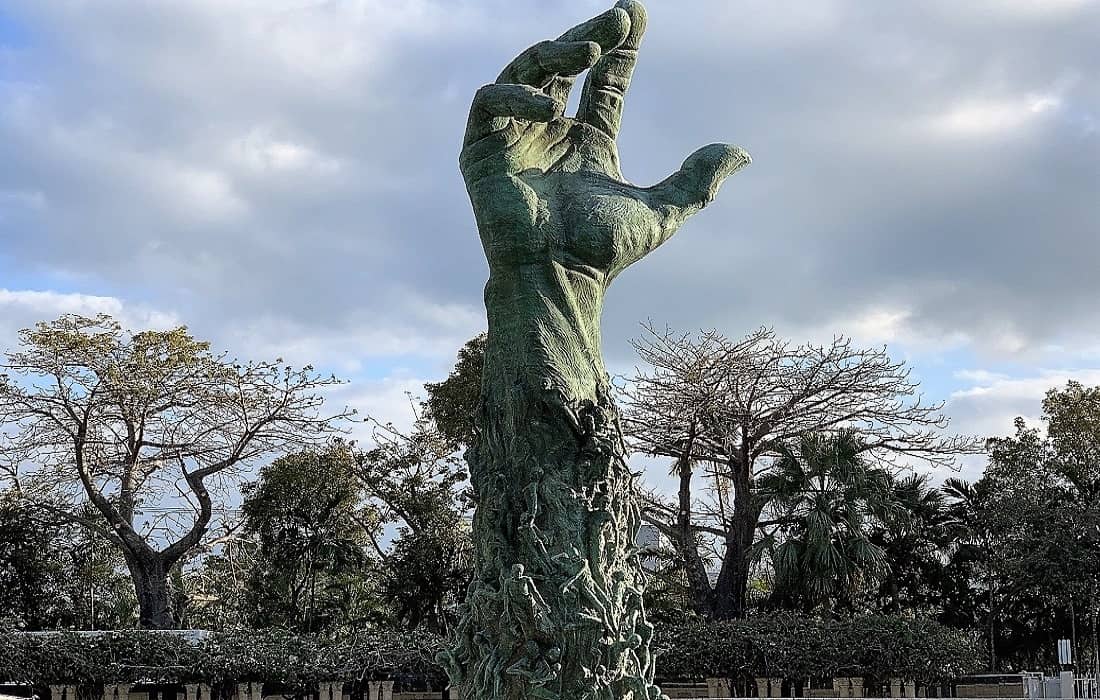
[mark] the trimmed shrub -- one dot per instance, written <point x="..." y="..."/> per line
<point x="877" y="647"/>
<point x="274" y="656"/>
<point x="778" y="645"/>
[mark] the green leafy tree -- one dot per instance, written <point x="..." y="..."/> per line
<point x="452" y="403"/>
<point x="1072" y="415"/>
<point x="312" y="569"/>
<point x="32" y="571"/>
<point x="916" y="543"/>
<point x="823" y="499"/>
<point x="55" y="575"/>
<point x="128" y="421"/>
<point x="1028" y="563"/>
<point x="427" y="573"/>
<point x="416" y="486"/>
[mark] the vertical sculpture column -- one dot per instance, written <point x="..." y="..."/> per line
<point x="555" y="609"/>
<point x="250" y="691"/>
<point x="762" y="687"/>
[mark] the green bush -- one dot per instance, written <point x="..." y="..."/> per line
<point x="273" y="656"/>
<point x="799" y="647"/>
<point x="779" y="645"/>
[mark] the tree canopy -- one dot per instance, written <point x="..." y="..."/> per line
<point x="126" y="419"/>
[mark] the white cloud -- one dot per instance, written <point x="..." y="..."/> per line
<point x="991" y="404"/>
<point x="978" y="375"/>
<point x="189" y="191"/>
<point x="1028" y="10"/>
<point x="22" y="308"/>
<point x="418" y="329"/>
<point x="25" y="199"/>
<point x="261" y="152"/>
<point x="888" y="325"/>
<point x="992" y="116"/>
<point x="392" y="399"/>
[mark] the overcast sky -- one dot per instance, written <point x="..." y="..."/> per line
<point x="281" y="176"/>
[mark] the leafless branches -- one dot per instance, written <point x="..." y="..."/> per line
<point x="726" y="407"/>
<point x="735" y="399"/>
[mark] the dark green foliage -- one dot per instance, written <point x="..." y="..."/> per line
<point x="413" y="483"/>
<point x="787" y="645"/>
<point x="427" y="573"/>
<point x="799" y="648"/>
<point x="56" y="576"/>
<point x="452" y="403"/>
<point x="1026" y="569"/>
<point x="823" y="497"/>
<point x="916" y="545"/>
<point x="272" y="656"/>
<point x="32" y="571"/>
<point x="306" y="516"/>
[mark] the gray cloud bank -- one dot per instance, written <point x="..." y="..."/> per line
<point x="282" y="174"/>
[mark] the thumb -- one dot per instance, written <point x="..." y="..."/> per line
<point x="695" y="184"/>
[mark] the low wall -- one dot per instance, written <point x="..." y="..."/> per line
<point x="384" y="690"/>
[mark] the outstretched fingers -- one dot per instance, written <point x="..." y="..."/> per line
<point x="605" y="87"/>
<point x="607" y="30"/>
<point x="544" y="61"/>
<point x="551" y="64"/>
<point x="495" y="104"/>
<point x="535" y="85"/>
<point x="696" y="183"/>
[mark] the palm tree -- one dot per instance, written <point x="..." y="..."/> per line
<point x="917" y="544"/>
<point x="822" y="498"/>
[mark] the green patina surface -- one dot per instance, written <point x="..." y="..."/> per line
<point x="555" y="610"/>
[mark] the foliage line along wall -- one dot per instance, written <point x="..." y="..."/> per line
<point x="788" y="646"/>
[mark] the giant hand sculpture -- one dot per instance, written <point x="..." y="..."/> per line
<point x="555" y="610"/>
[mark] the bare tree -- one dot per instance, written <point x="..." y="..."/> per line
<point x="129" y="421"/>
<point x="724" y="407"/>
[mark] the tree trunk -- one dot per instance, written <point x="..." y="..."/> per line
<point x="150" y="577"/>
<point x="686" y="545"/>
<point x="731" y="589"/>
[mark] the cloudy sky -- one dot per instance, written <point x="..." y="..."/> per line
<point x="281" y="176"/>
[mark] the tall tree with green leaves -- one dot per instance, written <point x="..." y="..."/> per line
<point x="416" y="485"/>
<point x="917" y="543"/>
<point x="33" y="575"/>
<point x="137" y="423"/>
<point x="312" y="568"/>
<point x="56" y="575"/>
<point x="452" y="403"/>
<point x="1029" y="559"/>
<point x="823" y="499"/>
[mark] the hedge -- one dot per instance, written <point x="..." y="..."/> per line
<point x="798" y="647"/>
<point x="781" y="645"/>
<point x="274" y="656"/>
